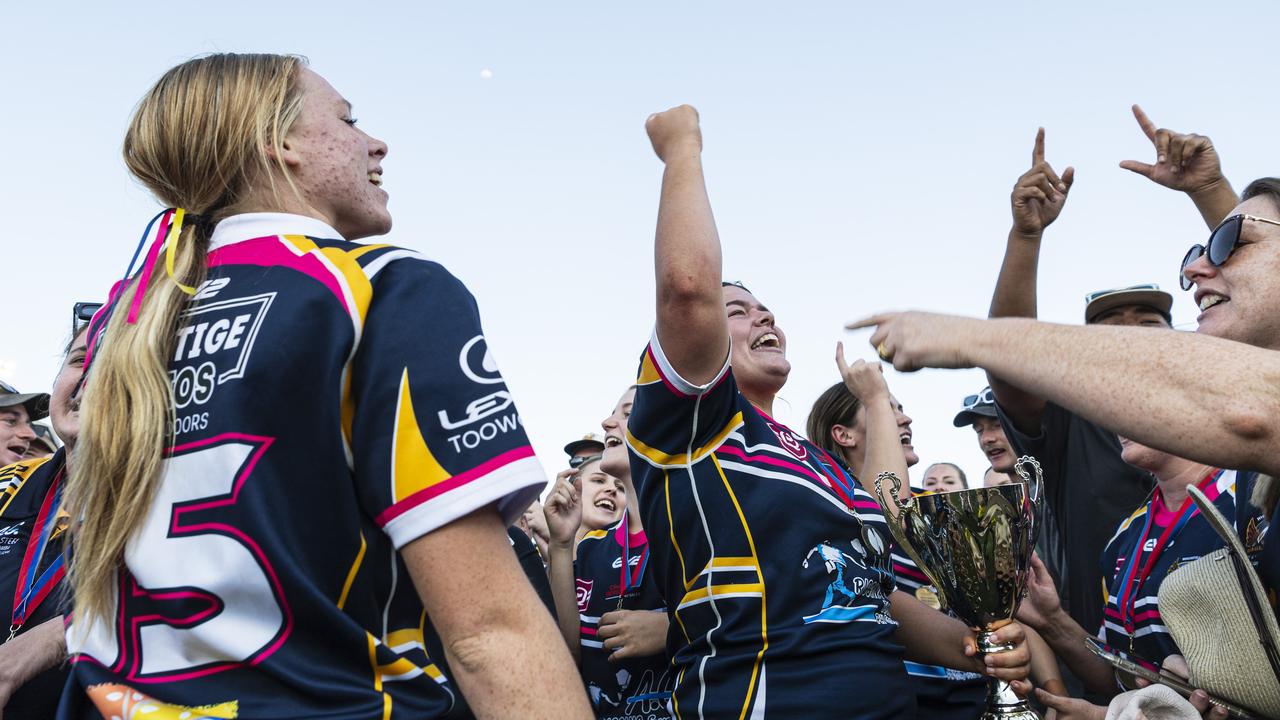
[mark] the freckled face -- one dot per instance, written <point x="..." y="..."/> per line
<point x="337" y="166"/>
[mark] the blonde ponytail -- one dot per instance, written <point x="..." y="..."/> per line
<point x="199" y="140"/>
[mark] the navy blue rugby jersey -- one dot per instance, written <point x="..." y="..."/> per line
<point x="636" y="689"/>
<point x="334" y="401"/>
<point x="1148" y="546"/>
<point x="32" y="591"/>
<point x="776" y="583"/>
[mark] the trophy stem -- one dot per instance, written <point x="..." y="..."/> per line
<point x="1002" y="702"/>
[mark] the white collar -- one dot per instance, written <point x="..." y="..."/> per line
<point x="247" y="226"/>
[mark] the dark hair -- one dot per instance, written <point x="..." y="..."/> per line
<point x="963" y="479"/>
<point x="735" y="283"/>
<point x="1268" y="186"/>
<point x="835" y="406"/>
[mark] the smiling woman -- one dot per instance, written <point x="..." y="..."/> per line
<point x="265" y="445"/>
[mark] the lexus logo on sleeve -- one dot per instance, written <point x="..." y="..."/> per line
<point x="477" y="363"/>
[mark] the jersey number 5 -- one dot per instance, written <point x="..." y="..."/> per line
<point x="201" y="594"/>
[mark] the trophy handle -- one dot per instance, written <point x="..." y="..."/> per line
<point x="1034" y="489"/>
<point x="894" y="491"/>
<point x="1033" y="486"/>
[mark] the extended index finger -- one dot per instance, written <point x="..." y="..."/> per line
<point x="1145" y="123"/>
<point x="1037" y="153"/>
<point x="871" y="321"/>
<point x="840" y="361"/>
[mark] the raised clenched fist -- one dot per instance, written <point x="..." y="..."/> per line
<point x="674" y="130"/>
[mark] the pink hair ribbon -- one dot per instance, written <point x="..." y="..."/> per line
<point x="169" y="234"/>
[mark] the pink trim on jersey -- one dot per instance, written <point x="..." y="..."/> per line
<point x="177" y="529"/>
<point x="866" y="505"/>
<point x="635" y="540"/>
<point x="657" y="366"/>
<point x="911" y="572"/>
<point x="588" y="630"/>
<point x="429" y="493"/>
<point x="766" y="460"/>
<point x="271" y="252"/>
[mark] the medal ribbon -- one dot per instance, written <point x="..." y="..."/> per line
<point x="1133" y="577"/>
<point x="630" y="579"/>
<point x="32" y="590"/>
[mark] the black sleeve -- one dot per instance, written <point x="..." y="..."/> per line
<point x="531" y="563"/>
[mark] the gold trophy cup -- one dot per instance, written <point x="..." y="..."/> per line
<point x="975" y="545"/>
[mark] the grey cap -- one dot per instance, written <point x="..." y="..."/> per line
<point x="36" y="404"/>
<point x="983" y="404"/>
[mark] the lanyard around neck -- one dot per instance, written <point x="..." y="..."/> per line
<point x="32" y="589"/>
<point x="1135" y="577"/>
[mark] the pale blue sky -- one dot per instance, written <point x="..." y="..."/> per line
<point x="859" y="157"/>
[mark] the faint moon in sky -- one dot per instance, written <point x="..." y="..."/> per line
<point x="486" y="74"/>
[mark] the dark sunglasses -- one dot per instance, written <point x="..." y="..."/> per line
<point x="82" y="313"/>
<point x="578" y="461"/>
<point x="986" y="397"/>
<point x="1222" y="242"/>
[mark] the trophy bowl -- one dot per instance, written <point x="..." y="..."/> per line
<point x="975" y="546"/>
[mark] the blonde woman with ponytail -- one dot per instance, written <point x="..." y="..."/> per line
<point x="296" y="450"/>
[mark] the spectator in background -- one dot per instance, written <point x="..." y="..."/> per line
<point x="17" y="412"/>
<point x="979" y="412"/>
<point x="588" y="446"/>
<point x="944" y="477"/>
<point x="44" y="444"/>
<point x="993" y="477"/>
<point x="1088" y="488"/>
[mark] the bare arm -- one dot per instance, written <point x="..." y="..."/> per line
<point x="1037" y="200"/>
<point x="30" y="654"/>
<point x="564" y="514"/>
<point x="1138" y="382"/>
<point x="1044" y="665"/>
<point x="500" y="642"/>
<point x="1189" y="163"/>
<point x="935" y="638"/>
<point x="691" y="320"/>
<point x="883" y="448"/>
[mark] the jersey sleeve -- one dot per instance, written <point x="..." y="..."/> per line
<point x="674" y="422"/>
<point x="435" y="433"/>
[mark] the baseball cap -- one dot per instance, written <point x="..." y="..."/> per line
<point x="588" y="441"/>
<point x="45" y="437"/>
<point x="37" y="404"/>
<point x="984" y="404"/>
<point x="1150" y="295"/>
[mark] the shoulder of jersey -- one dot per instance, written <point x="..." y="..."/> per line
<point x="374" y="258"/>
<point x="13" y="476"/>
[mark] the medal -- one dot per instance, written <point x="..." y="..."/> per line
<point x="927" y="595"/>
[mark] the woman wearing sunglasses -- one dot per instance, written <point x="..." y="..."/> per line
<point x="33" y="525"/>
<point x="295" y="447"/>
<point x="1139" y="382"/>
<point x="771" y="559"/>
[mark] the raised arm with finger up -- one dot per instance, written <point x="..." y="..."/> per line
<point x="1188" y="163"/>
<point x="1037" y="199"/>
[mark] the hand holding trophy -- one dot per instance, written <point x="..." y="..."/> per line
<point x="975" y="545"/>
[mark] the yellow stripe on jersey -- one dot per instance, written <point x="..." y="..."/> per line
<point x="377" y="675"/>
<point x="364" y="249"/>
<point x="14" y="476"/>
<point x="397" y="638"/>
<point x="671" y="526"/>
<point x="648" y="371"/>
<point x="359" y="293"/>
<point x="703" y="593"/>
<point x="663" y="459"/>
<point x="351" y="574"/>
<point x="764" y="619"/>
<point x="413" y="467"/>
<point x="596" y="534"/>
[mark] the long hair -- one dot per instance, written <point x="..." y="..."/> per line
<point x="835" y="406"/>
<point x="198" y="140"/>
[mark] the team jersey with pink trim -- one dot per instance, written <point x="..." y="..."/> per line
<point x="766" y="552"/>
<point x="333" y="402"/>
<point x="631" y="689"/>
<point x="1148" y="546"/>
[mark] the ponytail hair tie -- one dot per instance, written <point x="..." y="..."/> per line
<point x="170" y="230"/>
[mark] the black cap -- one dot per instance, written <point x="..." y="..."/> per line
<point x="983" y="404"/>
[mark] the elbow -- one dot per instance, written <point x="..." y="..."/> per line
<point x="687" y="290"/>
<point x="477" y="653"/>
